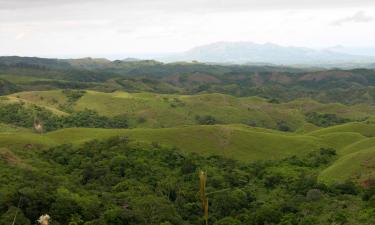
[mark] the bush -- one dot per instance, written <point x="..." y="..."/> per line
<point x="325" y="120"/>
<point x="313" y="195"/>
<point x="228" y="221"/>
<point x="283" y="126"/>
<point x="206" y="120"/>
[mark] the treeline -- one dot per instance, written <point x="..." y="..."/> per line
<point x="25" y="116"/>
<point x="118" y="182"/>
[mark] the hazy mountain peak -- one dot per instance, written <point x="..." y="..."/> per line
<point x="250" y="52"/>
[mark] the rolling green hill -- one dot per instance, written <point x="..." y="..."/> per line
<point x="166" y="110"/>
<point x="363" y="128"/>
<point x="354" y="143"/>
<point x="233" y="141"/>
<point x="171" y="120"/>
<point x="357" y="166"/>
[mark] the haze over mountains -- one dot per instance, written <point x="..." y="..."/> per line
<point x="252" y="53"/>
<point x="249" y="53"/>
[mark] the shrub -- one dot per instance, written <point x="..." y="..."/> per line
<point x="325" y="120"/>
<point x="313" y="195"/>
<point x="206" y="120"/>
<point x="228" y="221"/>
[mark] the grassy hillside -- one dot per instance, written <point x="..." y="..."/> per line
<point x="365" y="129"/>
<point x="359" y="146"/>
<point x="233" y="141"/>
<point x="340" y="140"/>
<point x="357" y="166"/>
<point x="166" y="110"/>
<point x="236" y="142"/>
<point x="354" y="143"/>
<point x="10" y="128"/>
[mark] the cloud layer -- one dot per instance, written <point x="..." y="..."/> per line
<point x="97" y="27"/>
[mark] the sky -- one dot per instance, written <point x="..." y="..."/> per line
<point x="125" y="28"/>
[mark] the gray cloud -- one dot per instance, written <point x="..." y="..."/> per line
<point x="358" y="17"/>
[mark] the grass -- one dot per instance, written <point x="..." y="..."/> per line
<point x="50" y="100"/>
<point x="21" y="140"/>
<point x="359" y="146"/>
<point x="354" y="143"/>
<point x="356" y="166"/>
<point x="150" y="110"/>
<point x="233" y="141"/>
<point x="365" y="129"/>
<point x="341" y="140"/>
<point x="12" y="129"/>
<point x="226" y="140"/>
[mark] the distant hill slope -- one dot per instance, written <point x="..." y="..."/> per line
<point x="248" y="52"/>
<point x="273" y="82"/>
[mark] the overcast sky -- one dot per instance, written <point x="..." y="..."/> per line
<point x="61" y="28"/>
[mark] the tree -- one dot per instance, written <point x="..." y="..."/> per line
<point x="14" y="216"/>
<point x="228" y="221"/>
<point x="151" y="209"/>
<point x="267" y="215"/>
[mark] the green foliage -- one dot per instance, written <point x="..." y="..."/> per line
<point x="325" y="120"/>
<point x="120" y="182"/>
<point x="228" y="221"/>
<point x="73" y="95"/>
<point x="89" y="118"/>
<point x="16" y="215"/>
<point x="282" y="126"/>
<point x="206" y="120"/>
<point x="7" y="87"/>
<point x="20" y="115"/>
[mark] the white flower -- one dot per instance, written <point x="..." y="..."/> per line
<point x="44" y="219"/>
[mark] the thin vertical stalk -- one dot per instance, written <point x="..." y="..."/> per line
<point x="203" y="196"/>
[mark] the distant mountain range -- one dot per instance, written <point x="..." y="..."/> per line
<point x="252" y="53"/>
